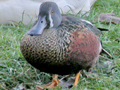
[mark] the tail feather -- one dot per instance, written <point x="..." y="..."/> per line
<point x="103" y="29"/>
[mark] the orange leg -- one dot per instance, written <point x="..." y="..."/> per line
<point x="54" y="83"/>
<point x="76" y="79"/>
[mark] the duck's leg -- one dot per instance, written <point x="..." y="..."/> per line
<point x="76" y="79"/>
<point x="54" y="83"/>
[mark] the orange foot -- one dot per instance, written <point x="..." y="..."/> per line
<point x="76" y="79"/>
<point x="54" y="83"/>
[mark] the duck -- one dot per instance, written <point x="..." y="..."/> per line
<point x="26" y="11"/>
<point x="60" y="44"/>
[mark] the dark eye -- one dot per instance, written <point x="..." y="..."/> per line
<point x="52" y="12"/>
<point x="41" y="21"/>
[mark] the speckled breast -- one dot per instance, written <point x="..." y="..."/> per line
<point x="47" y="52"/>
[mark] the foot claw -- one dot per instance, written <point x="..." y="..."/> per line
<point x="54" y="83"/>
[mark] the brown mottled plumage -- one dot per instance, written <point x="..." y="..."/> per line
<point x="60" y="44"/>
<point x="63" y="50"/>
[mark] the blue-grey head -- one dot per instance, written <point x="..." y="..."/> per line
<point x="49" y="17"/>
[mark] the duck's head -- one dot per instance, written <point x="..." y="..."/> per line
<point x="49" y="17"/>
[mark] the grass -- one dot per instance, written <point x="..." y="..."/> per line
<point x="16" y="73"/>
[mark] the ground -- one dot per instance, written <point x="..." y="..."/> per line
<point x="16" y="73"/>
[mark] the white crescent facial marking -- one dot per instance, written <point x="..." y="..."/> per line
<point x="51" y="21"/>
